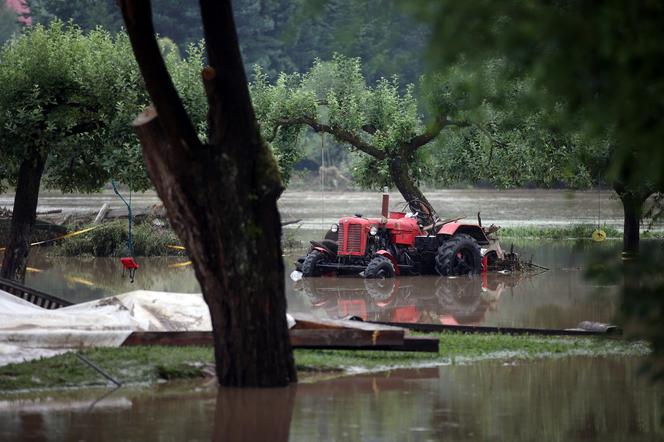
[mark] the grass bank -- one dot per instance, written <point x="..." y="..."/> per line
<point x="134" y="365"/>
<point x="110" y="239"/>
<point x="577" y="231"/>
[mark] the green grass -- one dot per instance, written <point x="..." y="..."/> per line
<point x="110" y="239"/>
<point x="578" y="231"/>
<point x="131" y="365"/>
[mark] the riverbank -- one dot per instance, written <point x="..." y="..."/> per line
<point x="141" y="365"/>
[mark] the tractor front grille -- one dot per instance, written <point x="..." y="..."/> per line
<point x="350" y="239"/>
<point x="354" y="242"/>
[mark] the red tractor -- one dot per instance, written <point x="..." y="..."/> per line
<point x="398" y="243"/>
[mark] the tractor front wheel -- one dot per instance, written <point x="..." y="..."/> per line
<point x="379" y="267"/>
<point x="459" y="255"/>
<point x="310" y="264"/>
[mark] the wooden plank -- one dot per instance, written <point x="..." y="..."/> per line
<point x="308" y="321"/>
<point x="347" y="338"/>
<point x="322" y="338"/>
<point x="185" y="338"/>
<point x="123" y="213"/>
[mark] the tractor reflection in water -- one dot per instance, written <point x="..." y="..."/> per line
<point x="463" y="300"/>
<point x="416" y="242"/>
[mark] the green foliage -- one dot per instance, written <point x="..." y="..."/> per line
<point x="278" y="35"/>
<point x="335" y="93"/>
<point x="110" y="239"/>
<point x="502" y="141"/>
<point x="388" y="40"/>
<point x="8" y="23"/>
<point x="600" y="62"/>
<point x="71" y="97"/>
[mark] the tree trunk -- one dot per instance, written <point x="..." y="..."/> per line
<point x="632" y="207"/>
<point x="400" y="175"/>
<point x="23" y="218"/>
<point x="221" y="199"/>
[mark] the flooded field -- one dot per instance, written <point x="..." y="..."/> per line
<point x="558" y="298"/>
<point x="564" y="399"/>
<point x="559" y="399"/>
<point x="316" y="209"/>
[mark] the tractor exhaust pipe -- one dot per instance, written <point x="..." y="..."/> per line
<point x="386" y="203"/>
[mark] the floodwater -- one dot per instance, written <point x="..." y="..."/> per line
<point x="528" y="207"/>
<point x="558" y="298"/>
<point x="563" y="399"/>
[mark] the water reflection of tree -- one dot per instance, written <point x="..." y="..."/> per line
<point x="254" y="415"/>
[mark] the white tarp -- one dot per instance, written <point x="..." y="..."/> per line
<point x="28" y="331"/>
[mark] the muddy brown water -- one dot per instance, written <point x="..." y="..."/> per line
<point x="559" y="298"/>
<point x="562" y="399"/>
<point x="507" y="207"/>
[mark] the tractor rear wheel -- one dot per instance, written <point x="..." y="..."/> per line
<point x="310" y="264"/>
<point x="459" y="255"/>
<point x="379" y="267"/>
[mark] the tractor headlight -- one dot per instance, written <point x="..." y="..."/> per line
<point x="334" y="228"/>
<point x="373" y="230"/>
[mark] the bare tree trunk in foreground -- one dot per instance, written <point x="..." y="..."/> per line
<point x="221" y="198"/>
<point x="24" y="214"/>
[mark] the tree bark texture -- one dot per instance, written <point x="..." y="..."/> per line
<point x="400" y="175"/>
<point x="632" y="207"/>
<point x="221" y="199"/>
<point x="24" y="215"/>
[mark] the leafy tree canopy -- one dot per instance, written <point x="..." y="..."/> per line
<point x="70" y="97"/>
<point x="601" y="62"/>
<point x="333" y="97"/>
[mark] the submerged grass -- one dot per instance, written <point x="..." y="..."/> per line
<point x="576" y="231"/>
<point x="110" y="239"/>
<point x="131" y="365"/>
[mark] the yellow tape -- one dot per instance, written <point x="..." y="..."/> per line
<point x="176" y="247"/>
<point x="68" y="235"/>
<point x="180" y="264"/>
<point x="78" y="280"/>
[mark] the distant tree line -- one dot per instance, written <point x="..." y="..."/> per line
<point x="278" y="35"/>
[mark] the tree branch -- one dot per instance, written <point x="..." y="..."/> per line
<point x="432" y="132"/>
<point x="177" y="125"/>
<point x="226" y="81"/>
<point x="339" y="133"/>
